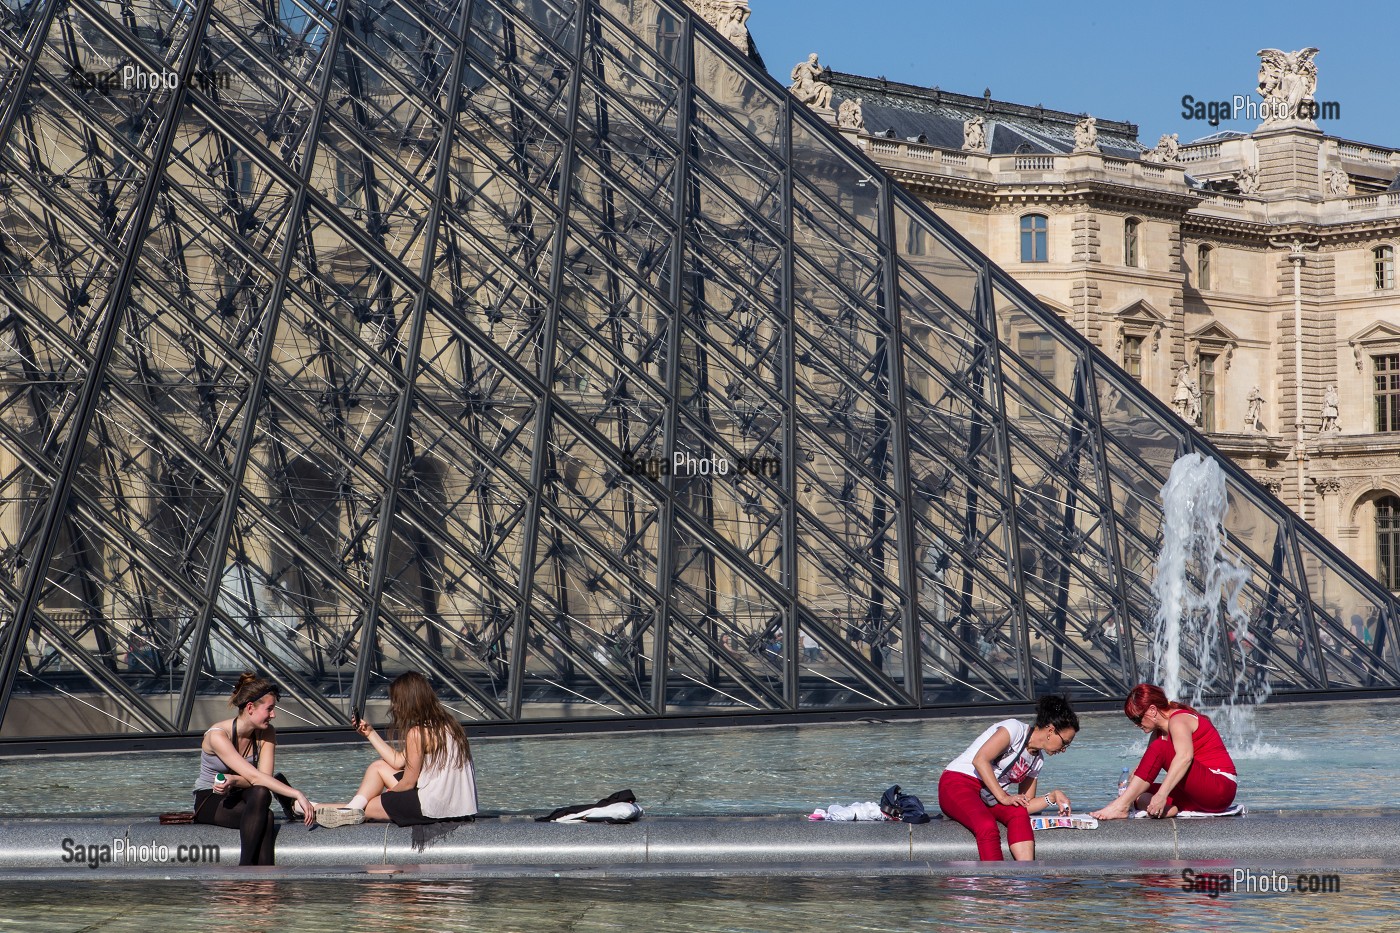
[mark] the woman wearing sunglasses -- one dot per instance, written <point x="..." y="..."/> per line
<point x="1200" y="776"/>
<point x="975" y="789"/>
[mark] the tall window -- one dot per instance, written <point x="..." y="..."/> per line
<point x="1387" y="372"/>
<point x="1037" y="350"/>
<point x="1132" y="356"/>
<point x="1203" y="268"/>
<point x="1388" y="541"/>
<point x="347" y="184"/>
<point x="1206" y="374"/>
<point x="1130" y="242"/>
<point x="1033" y="238"/>
<point x="1384" y="257"/>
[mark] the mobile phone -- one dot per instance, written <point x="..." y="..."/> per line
<point x="355" y="716"/>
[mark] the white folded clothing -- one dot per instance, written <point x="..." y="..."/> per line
<point x="1238" y="809"/>
<point x="856" y="812"/>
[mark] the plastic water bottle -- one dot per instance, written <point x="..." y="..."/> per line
<point x="219" y="779"/>
<point x="1122" y="782"/>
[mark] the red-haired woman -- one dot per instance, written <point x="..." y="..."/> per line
<point x="1200" y="773"/>
<point x="244" y="748"/>
<point x="430" y="780"/>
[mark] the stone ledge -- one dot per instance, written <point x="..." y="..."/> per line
<point x="38" y="845"/>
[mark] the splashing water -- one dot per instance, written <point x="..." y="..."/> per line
<point x="1198" y="612"/>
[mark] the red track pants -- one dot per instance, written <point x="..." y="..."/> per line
<point x="1201" y="789"/>
<point x="960" y="798"/>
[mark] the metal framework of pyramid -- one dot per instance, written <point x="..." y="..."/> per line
<point x="549" y="348"/>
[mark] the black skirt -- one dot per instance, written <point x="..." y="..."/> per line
<point x="405" y="809"/>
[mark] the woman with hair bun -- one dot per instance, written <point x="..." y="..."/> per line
<point x="975" y="787"/>
<point x="243" y="750"/>
<point x="1201" y="774"/>
<point x="429" y="780"/>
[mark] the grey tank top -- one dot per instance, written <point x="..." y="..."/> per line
<point x="210" y="765"/>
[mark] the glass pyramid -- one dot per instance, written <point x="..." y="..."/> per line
<point x="551" y="349"/>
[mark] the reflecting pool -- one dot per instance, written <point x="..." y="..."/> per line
<point x="1306" y="756"/>
<point x="1132" y="901"/>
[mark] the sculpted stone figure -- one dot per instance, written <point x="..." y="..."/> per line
<point x="1086" y="135"/>
<point x="1338" y="183"/>
<point x="733" y="25"/>
<point x="1330" y="403"/>
<point x="1251" y="417"/>
<point x="1287" y="82"/>
<point x="730" y="17"/>
<point x="1168" y="149"/>
<point x="1187" y="400"/>
<point x="808" y="84"/>
<point x="849" y="115"/>
<point x="1248" y="180"/>
<point x="975" y="134"/>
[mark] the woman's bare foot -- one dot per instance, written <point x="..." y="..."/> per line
<point x="1111" y="812"/>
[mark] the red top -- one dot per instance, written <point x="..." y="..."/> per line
<point x="1207" y="747"/>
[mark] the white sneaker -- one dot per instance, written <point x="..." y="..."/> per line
<point x="332" y="817"/>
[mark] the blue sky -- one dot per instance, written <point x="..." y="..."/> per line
<point x="1118" y="61"/>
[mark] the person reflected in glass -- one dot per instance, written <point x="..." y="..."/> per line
<point x="429" y="779"/>
<point x="976" y="788"/>
<point x="1200" y="777"/>
<point x="243" y="750"/>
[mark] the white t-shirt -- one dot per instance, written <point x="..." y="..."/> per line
<point x="1015" y="765"/>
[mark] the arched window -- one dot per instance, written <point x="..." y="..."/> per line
<point x="1384" y="257"/>
<point x="1203" y="268"/>
<point x="1034" y="230"/>
<point x="1130" y="242"/>
<point x="1388" y="541"/>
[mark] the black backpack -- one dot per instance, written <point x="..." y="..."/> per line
<point x="904" y="807"/>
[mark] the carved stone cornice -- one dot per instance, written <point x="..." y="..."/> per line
<point x="1327" y="485"/>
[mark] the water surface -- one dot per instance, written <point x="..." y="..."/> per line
<point x="1304" y="756"/>
<point x="1132" y="901"/>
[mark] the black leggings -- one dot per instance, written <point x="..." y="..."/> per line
<point x="245" y="809"/>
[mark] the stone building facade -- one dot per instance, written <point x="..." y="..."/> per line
<point x="1247" y="279"/>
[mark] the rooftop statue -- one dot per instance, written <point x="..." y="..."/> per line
<point x="1287" y="82"/>
<point x="809" y="84"/>
<point x="975" y="134"/>
<point x="1168" y="149"/>
<point x="1086" y="135"/>
<point x="850" y="116"/>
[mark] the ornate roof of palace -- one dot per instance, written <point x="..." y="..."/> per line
<point x="937" y="115"/>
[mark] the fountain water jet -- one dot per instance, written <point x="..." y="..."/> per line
<point x="1198" y="588"/>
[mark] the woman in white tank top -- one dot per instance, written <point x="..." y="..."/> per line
<point x="430" y="780"/>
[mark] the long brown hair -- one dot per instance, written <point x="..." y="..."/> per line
<point x="412" y="702"/>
